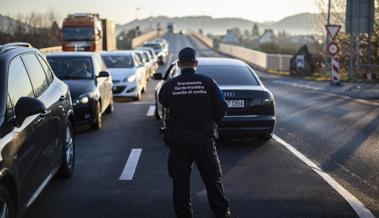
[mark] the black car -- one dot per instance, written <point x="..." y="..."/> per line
<point x="36" y="127"/>
<point x="251" y="107"/>
<point x="90" y="84"/>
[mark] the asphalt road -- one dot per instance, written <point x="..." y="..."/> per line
<point x="260" y="179"/>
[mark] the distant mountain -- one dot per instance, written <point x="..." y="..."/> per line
<point x="206" y="23"/>
<point x="304" y="23"/>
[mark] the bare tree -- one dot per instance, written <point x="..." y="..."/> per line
<point x="39" y="29"/>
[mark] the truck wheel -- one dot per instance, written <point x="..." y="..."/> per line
<point x="6" y="204"/>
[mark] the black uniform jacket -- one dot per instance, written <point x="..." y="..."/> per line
<point x="193" y="100"/>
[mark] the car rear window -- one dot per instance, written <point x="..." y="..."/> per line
<point x="118" y="61"/>
<point x="229" y="75"/>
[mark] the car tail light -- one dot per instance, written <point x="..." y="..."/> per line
<point x="267" y="104"/>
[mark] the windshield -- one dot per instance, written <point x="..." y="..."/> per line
<point x="118" y="61"/>
<point x="146" y="56"/>
<point x="140" y="56"/>
<point x="229" y="75"/>
<point x="72" y="67"/>
<point x="148" y="50"/>
<point x="154" y="46"/>
<point x="78" y="34"/>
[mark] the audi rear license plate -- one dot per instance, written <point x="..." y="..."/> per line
<point x="235" y="103"/>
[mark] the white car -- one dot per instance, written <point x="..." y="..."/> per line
<point x="148" y="67"/>
<point x="128" y="73"/>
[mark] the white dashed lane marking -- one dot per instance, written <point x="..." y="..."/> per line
<point x="151" y="111"/>
<point x="131" y="164"/>
<point x="357" y="205"/>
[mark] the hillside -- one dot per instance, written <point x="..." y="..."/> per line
<point x="298" y="24"/>
<point x="206" y="23"/>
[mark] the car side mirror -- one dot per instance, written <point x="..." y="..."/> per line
<point x="27" y="106"/>
<point x="158" y="76"/>
<point x="104" y="74"/>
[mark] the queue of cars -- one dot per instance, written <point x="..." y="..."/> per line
<point x="42" y="100"/>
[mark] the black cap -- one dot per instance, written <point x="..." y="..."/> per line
<point x="187" y="55"/>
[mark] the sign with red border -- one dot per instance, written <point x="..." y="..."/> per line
<point x="333" y="49"/>
<point x="333" y="30"/>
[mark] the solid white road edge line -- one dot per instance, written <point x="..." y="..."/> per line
<point x="357" y="205"/>
<point x="151" y="111"/>
<point x="131" y="164"/>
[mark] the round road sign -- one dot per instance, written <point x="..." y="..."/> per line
<point x="333" y="49"/>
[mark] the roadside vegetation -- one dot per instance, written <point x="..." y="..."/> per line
<point x="41" y="29"/>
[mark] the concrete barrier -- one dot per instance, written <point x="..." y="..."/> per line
<point x="51" y="49"/>
<point x="145" y="37"/>
<point x="253" y="57"/>
<point x="278" y="62"/>
<point x="262" y="60"/>
<point x="204" y="39"/>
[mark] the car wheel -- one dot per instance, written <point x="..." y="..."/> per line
<point x="266" y="136"/>
<point x="156" y="113"/>
<point x="68" y="152"/>
<point x="138" y="97"/>
<point x="6" y="204"/>
<point x="110" y="108"/>
<point x="99" y="117"/>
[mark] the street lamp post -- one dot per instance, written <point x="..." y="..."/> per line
<point x="136" y="12"/>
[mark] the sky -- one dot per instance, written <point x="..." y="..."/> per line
<point x="123" y="11"/>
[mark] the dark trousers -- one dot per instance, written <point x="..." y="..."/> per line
<point x="188" y="146"/>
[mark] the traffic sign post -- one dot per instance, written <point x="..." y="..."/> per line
<point x="336" y="71"/>
<point x="333" y="30"/>
<point x="333" y="50"/>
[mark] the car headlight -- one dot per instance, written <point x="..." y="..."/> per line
<point x="131" y="78"/>
<point x="84" y="100"/>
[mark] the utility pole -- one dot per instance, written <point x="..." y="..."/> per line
<point x="136" y="12"/>
<point x="352" y="40"/>
<point x="326" y="56"/>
